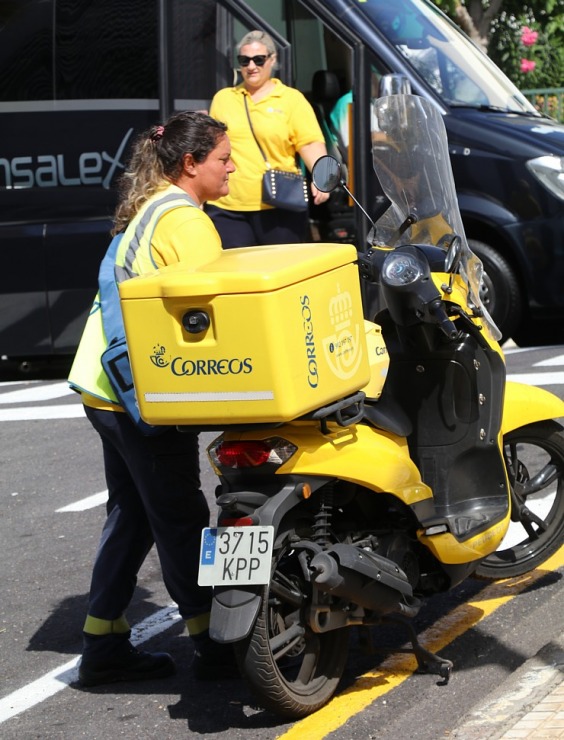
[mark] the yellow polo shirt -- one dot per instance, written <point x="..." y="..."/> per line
<point x="283" y="122"/>
<point x="185" y="234"/>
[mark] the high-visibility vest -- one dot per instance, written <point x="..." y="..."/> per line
<point x="134" y="257"/>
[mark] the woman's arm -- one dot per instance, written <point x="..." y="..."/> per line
<point x="310" y="153"/>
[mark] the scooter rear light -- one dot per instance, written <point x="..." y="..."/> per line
<point x="251" y="453"/>
<point x="243" y="521"/>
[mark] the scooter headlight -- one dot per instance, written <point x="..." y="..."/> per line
<point x="401" y="268"/>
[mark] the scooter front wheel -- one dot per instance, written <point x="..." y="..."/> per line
<point x="534" y="456"/>
<point x="292" y="670"/>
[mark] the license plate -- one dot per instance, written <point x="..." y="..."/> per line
<point x="235" y="556"/>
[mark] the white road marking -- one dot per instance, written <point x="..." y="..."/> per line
<point x="69" y="411"/>
<point x="37" y="393"/>
<point x="56" y="680"/>
<point x="510" y="348"/>
<point x="17" y="382"/>
<point x="86" y="503"/>
<point x="538" y="378"/>
<point x="551" y="362"/>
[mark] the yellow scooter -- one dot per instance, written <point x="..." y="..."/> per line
<point x="404" y="493"/>
<point x="417" y="466"/>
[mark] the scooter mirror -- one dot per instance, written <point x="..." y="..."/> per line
<point x="453" y="255"/>
<point x="326" y="173"/>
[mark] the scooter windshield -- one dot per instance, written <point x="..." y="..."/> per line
<point x="411" y="159"/>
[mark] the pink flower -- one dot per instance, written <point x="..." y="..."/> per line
<point x="528" y="36"/>
<point x="527" y="65"/>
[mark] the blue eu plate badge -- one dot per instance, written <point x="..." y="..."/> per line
<point x="209" y="538"/>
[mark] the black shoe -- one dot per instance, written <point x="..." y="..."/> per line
<point x="126" y="664"/>
<point x="213" y="661"/>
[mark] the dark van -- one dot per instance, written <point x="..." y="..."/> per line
<point x="508" y="160"/>
<point x="78" y="81"/>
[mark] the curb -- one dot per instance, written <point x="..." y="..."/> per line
<point x="517" y="696"/>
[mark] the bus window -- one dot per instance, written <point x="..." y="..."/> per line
<point x="198" y="65"/>
<point x="77" y="80"/>
<point x="103" y="50"/>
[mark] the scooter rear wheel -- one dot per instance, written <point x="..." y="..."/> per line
<point x="292" y="670"/>
<point x="534" y="456"/>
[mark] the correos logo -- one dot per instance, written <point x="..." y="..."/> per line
<point x="181" y="366"/>
<point x="343" y="348"/>
<point x="307" y="323"/>
<point x="52" y="170"/>
<point x="233" y="366"/>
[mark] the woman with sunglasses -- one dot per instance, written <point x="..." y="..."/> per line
<point x="285" y="125"/>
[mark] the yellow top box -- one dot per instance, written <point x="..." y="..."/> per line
<point x="243" y="270"/>
<point x="260" y="334"/>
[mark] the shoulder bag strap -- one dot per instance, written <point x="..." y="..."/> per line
<point x="253" y="133"/>
<point x="109" y="295"/>
<point x="170" y="202"/>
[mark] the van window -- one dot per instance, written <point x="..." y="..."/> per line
<point x="445" y="59"/>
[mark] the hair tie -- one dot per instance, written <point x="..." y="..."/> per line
<point x="158" y="133"/>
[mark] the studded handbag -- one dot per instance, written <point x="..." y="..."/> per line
<point x="281" y="189"/>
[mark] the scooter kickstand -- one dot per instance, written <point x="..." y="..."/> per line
<point x="427" y="662"/>
<point x="430" y="663"/>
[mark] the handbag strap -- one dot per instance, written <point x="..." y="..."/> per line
<point x="253" y="133"/>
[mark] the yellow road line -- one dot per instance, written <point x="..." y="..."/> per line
<point x="396" y="669"/>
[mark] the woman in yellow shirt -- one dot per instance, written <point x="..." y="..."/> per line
<point x="154" y="493"/>
<point x="285" y="125"/>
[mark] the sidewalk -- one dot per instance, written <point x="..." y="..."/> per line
<point x="530" y="704"/>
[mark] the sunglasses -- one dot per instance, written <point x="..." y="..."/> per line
<point x="259" y="60"/>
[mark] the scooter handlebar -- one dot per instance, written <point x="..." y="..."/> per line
<point x="436" y="314"/>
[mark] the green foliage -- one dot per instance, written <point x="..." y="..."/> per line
<point x="508" y="52"/>
<point x="448" y="6"/>
<point x="505" y="46"/>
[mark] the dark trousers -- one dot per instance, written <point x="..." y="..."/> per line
<point x="255" y="228"/>
<point x="154" y="498"/>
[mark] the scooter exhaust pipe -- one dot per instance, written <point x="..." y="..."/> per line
<point x="364" y="578"/>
